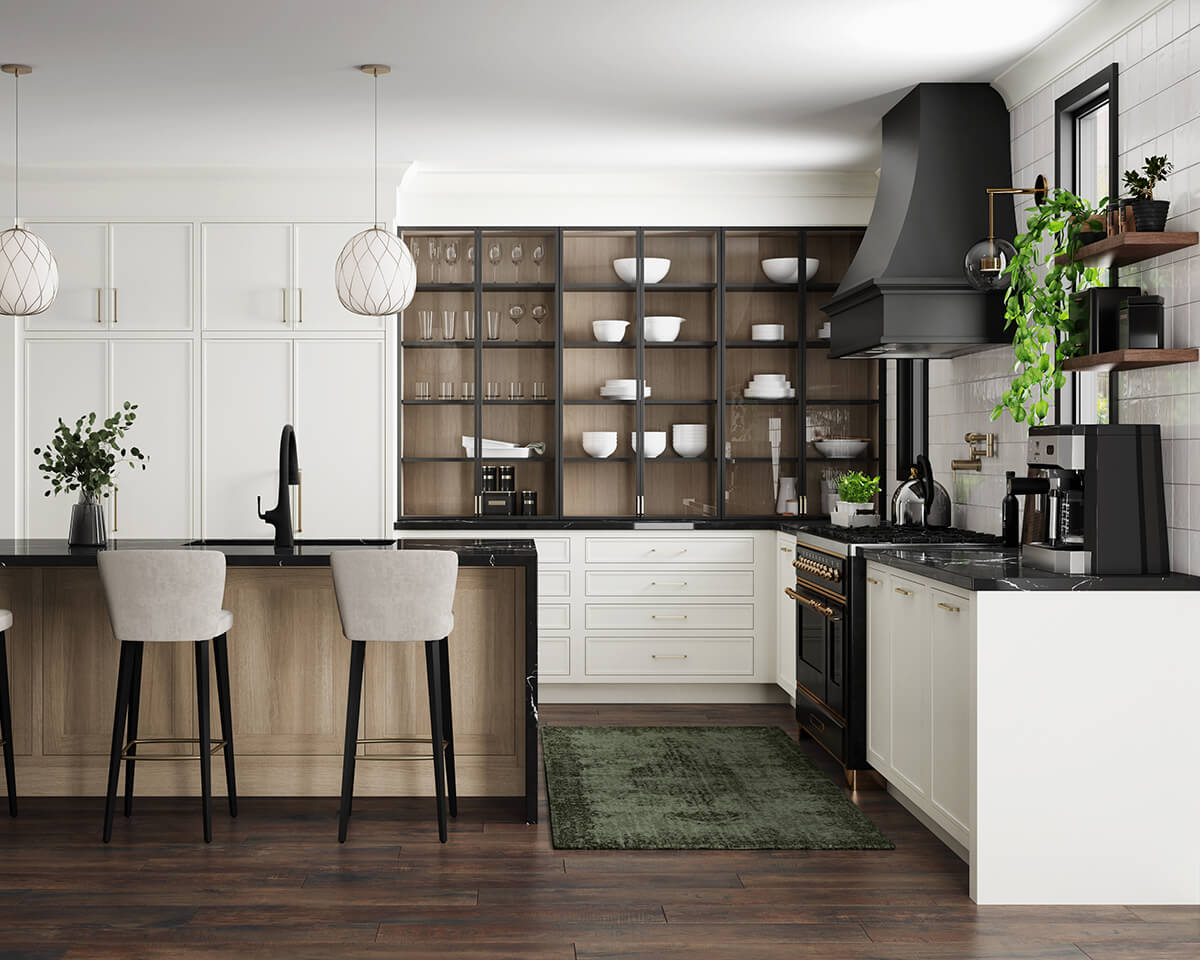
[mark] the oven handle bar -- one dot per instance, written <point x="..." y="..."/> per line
<point x="826" y="611"/>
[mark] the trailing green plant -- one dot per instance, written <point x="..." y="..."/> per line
<point x="857" y="487"/>
<point x="1141" y="183"/>
<point x="1037" y="300"/>
<point x="85" y="456"/>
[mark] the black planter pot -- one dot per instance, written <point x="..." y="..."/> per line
<point x="87" y="526"/>
<point x="1150" y="216"/>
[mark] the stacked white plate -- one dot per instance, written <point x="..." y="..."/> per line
<point x="621" y="390"/>
<point x="769" y="386"/>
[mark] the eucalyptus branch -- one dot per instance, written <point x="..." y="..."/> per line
<point x="85" y="457"/>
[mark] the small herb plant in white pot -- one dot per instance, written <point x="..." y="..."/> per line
<point x="856" y="501"/>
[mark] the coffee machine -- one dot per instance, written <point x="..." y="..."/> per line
<point x="1094" y="501"/>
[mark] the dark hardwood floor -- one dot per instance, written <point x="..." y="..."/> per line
<point x="275" y="883"/>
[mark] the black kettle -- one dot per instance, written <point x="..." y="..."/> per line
<point x="921" y="501"/>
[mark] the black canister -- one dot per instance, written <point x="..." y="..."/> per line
<point x="507" y="479"/>
<point x="490" y="478"/>
<point x="1141" y="323"/>
<point x="529" y="503"/>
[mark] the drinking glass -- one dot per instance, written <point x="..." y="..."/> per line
<point x="426" y="324"/>
<point x="452" y="257"/>
<point x="516" y="391"/>
<point x="468" y="390"/>
<point x="435" y="254"/>
<point x="539" y="255"/>
<point x="539" y="389"/>
<point x="468" y="325"/>
<point x="493" y="390"/>
<point x="517" y="254"/>
<point x="539" y="314"/>
<point x="421" y="388"/>
<point x="447" y="324"/>
<point x="447" y="391"/>
<point x="515" y="313"/>
<point x="493" y="324"/>
<point x="495" y="252"/>
<point x="414" y="245"/>
<point x="471" y="261"/>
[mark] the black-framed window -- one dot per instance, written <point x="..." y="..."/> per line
<point x="1086" y="163"/>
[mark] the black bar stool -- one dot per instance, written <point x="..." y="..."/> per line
<point x="167" y="596"/>
<point x="399" y="596"/>
<point x="6" y="734"/>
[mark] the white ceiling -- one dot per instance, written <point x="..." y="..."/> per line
<point x="490" y="84"/>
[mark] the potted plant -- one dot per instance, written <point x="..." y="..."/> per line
<point x="856" y="500"/>
<point x="1036" y="303"/>
<point x="1149" y="215"/>
<point x="85" y="457"/>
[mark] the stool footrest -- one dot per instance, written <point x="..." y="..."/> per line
<point x="214" y="746"/>
<point x="369" y="740"/>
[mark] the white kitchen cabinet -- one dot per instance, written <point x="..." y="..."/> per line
<point x="81" y="252"/>
<point x="909" y="602"/>
<point x="340" y="442"/>
<point x="67" y="379"/>
<point x="318" y="246"/>
<point x="247" y="390"/>
<point x="785" y="627"/>
<point x="157" y="376"/>
<point x="247" y="276"/>
<point x="151" y="286"/>
<point x="879" y="670"/>
<point x="950" y="706"/>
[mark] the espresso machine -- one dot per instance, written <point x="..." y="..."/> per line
<point x="1094" y="501"/>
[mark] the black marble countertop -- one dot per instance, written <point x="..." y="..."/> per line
<point x="262" y="553"/>
<point x="558" y="524"/>
<point x="990" y="569"/>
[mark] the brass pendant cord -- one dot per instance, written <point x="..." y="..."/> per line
<point x="17" y="149"/>
<point x="376" y="153"/>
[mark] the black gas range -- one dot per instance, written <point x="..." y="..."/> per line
<point x="831" y="631"/>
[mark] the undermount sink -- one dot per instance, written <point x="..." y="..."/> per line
<point x="267" y="542"/>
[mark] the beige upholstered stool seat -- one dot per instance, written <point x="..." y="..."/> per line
<point x="6" y="619"/>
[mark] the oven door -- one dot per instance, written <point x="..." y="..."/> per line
<point x="820" y="646"/>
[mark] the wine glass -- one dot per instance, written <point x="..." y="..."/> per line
<point x="539" y="256"/>
<point x="452" y="255"/>
<point x="435" y="254"/>
<point x="495" y="252"/>
<point x="539" y="313"/>
<point x="518" y="254"/>
<point x="515" y="313"/>
<point x="414" y="244"/>
<point x="471" y="261"/>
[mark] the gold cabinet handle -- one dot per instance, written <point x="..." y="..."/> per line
<point x="668" y="616"/>
<point x="903" y="593"/>
<point x="99" y="305"/>
<point x="946" y="606"/>
<point x="668" y="656"/>
<point x="668" y="583"/>
<point x="300" y="296"/>
<point x="299" y="500"/>
<point x="114" y="509"/>
<point x="284" y="292"/>
<point x="114" y="321"/>
<point x="874" y="581"/>
<point x="787" y="549"/>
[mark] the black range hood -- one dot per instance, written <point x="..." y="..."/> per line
<point x="905" y="294"/>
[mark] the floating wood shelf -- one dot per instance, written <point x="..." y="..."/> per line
<point x="1130" y="359"/>
<point x="1126" y="248"/>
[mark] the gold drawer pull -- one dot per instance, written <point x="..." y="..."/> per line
<point x="99" y="305"/>
<point x="668" y="616"/>
<point x="668" y="656"/>
<point x="284" y="292"/>
<point x="874" y="581"/>
<point x="903" y="593"/>
<point x="668" y="583"/>
<point x="114" y="306"/>
<point x="816" y="721"/>
<point x="946" y="606"/>
<point x="300" y="297"/>
<point x="787" y="549"/>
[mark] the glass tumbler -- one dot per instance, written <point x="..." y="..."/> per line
<point x="447" y="324"/>
<point x="421" y="389"/>
<point x="468" y="390"/>
<point x="493" y="390"/>
<point x="468" y="324"/>
<point x="493" y="324"/>
<point x="426" y="317"/>
<point x="539" y="389"/>
<point x="447" y="391"/>
<point x="516" y="390"/>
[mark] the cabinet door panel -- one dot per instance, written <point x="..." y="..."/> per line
<point x="247" y="270"/>
<point x="247" y="400"/>
<point x="340" y="396"/>
<point x="909" y="602"/>
<point x="152" y="276"/>
<point x="67" y="379"/>
<point x="950" y="704"/>
<point x="785" y="632"/>
<point x="81" y="252"/>
<point x="879" y="670"/>
<point x="157" y="376"/>
<point x="317" y="306"/>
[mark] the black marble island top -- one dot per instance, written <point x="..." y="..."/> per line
<point x="991" y="569"/>
<point x="263" y="553"/>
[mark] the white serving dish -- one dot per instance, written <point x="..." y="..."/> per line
<point x="662" y="329"/>
<point x="496" y="450"/>
<point x="609" y="331"/>
<point x="841" y="448"/>
<point x="656" y="442"/>
<point x="655" y="268"/>
<point x="787" y="269"/>
<point x="766" y="331"/>
<point x="599" y="443"/>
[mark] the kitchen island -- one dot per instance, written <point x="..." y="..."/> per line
<point x="289" y="668"/>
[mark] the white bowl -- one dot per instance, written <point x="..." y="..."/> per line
<point x="655" y="268"/>
<point x="662" y="329"/>
<point x="766" y="331"/>
<point x="609" y="331"/>
<point x="656" y="442"/>
<point x="689" y="439"/>
<point x="841" y="448"/>
<point x="600" y="443"/>
<point x="787" y="269"/>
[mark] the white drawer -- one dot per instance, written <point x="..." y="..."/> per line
<point x="673" y="550"/>
<point x="554" y="583"/>
<point x="554" y="656"/>
<point x="646" y="656"/>
<point x="665" y="583"/>
<point x="553" y="549"/>
<point x="669" y="616"/>
<point x="554" y="616"/>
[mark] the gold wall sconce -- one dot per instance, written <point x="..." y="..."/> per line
<point x="976" y="453"/>
<point x="985" y="262"/>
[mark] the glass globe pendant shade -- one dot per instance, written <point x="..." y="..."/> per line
<point x="28" y="274"/>
<point x="985" y="263"/>
<point x="375" y="275"/>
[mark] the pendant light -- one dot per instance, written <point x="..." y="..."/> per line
<point x="28" y="273"/>
<point x="375" y="275"/>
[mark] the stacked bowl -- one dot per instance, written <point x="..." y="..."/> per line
<point x="769" y="386"/>
<point x="689" y="439"/>
<point x="656" y="442"/>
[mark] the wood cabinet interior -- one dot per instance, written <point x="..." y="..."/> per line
<point x="717" y="284"/>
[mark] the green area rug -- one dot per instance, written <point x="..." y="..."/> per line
<point x="694" y="788"/>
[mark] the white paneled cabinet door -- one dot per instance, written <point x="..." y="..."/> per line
<point x="909" y="609"/>
<point x="879" y="670"/>
<point x="157" y="376"/>
<point x="317" y="306"/>
<point x="151" y="276"/>
<point x="67" y="379"/>
<point x="340" y="396"/>
<point x="247" y="392"/>
<point x="247" y="270"/>
<point x="950" y="707"/>
<point x="81" y="252"/>
<point x="785" y="626"/>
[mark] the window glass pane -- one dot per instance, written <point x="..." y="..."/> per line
<point x="1091" y="154"/>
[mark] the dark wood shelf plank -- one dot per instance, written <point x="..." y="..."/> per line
<point x="1125" y="248"/>
<point x="1130" y="359"/>
<point x="761" y="344"/>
